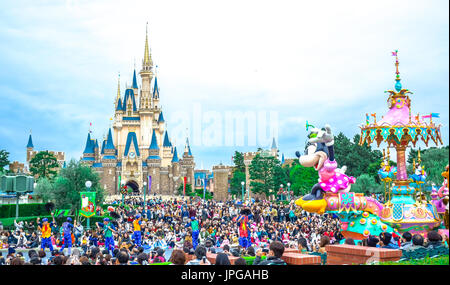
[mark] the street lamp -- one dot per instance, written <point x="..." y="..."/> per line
<point x="145" y="190"/>
<point x="242" y="183"/>
<point x="281" y="186"/>
<point x="289" y="191"/>
<point x="88" y="185"/>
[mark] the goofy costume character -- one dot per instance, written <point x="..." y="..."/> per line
<point x="46" y="233"/>
<point x="67" y="234"/>
<point x="137" y="236"/>
<point x="195" y="231"/>
<point x="108" y="229"/>
<point x="244" y="229"/>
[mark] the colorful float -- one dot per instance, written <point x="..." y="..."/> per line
<point x="406" y="208"/>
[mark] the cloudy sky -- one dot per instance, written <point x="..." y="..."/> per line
<point x="321" y="61"/>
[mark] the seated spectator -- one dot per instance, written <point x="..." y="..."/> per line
<point x="386" y="241"/>
<point x="250" y="251"/>
<point x="222" y="259"/>
<point x="240" y="261"/>
<point x="349" y="241"/>
<point x="142" y="258"/>
<point x="372" y="241"/>
<point x="200" y="257"/>
<point x="177" y="257"/>
<point x="226" y="249"/>
<point x="303" y="245"/>
<point x="417" y="242"/>
<point x="276" y="250"/>
<point x="434" y="239"/>
<point x="159" y="257"/>
<point x="122" y="258"/>
<point x="324" y="241"/>
<point x="406" y="240"/>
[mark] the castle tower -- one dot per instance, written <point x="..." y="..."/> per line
<point x="89" y="152"/>
<point x="145" y="102"/>
<point x="176" y="171"/>
<point x="155" y="95"/>
<point x="30" y="148"/>
<point x="221" y="174"/>
<point x="108" y="164"/>
<point x="188" y="164"/>
<point x="274" y="149"/>
<point x="154" y="164"/>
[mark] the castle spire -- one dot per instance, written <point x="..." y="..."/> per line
<point x="135" y="86"/>
<point x="147" y="62"/>
<point x="30" y="142"/>
<point x="118" y="89"/>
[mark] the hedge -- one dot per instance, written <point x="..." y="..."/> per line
<point x="249" y="259"/>
<point x="25" y="210"/>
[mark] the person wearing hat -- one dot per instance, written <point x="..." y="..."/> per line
<point x="67" y="234"/>
<point x="137" y="236"/>
<point x="195" y="231"/>
<point x="46" y="233"/>
<point x="108" y="229"/>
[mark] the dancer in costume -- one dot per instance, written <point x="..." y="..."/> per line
<point x="137" y="236"/>
<point x="244" y="229"/>
<point x="195" y="231"/>
<point x="46" y="232"/>
<point x="67" y="234"/>
<point x="108" y="229"/>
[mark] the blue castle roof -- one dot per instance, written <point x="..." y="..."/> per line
<point x="103" y="147"/>
<point x="166" y="141"/>
<point x="89" y="145"/>
<point x="119" y="105"/>
<point x="134" y="80"/>
<point x="129" y="93"/>
<point x="131" y="139"/>
<point x="156" y="89"/>
<point x="161" y="118"/>
<point x="175" y="155"/>
<point x="30" y="142"/>
<point x="109" y="141"/>
<point x="154" y="143"/>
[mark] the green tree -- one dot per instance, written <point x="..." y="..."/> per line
<point x="65" y="188"/>
<point x="235" y="182"/>
<point x="189" y="191"/>
<point x="302" y="179"/>
<point x="238" y="160"/>
<point x="262" y="174"/>
<point x="434" y="161"/>
<point x="4" y="161"/>
<point x="366" y="184"/>
<point x="44" y="164"/>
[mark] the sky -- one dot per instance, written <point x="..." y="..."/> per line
<point x="281" y="62"/>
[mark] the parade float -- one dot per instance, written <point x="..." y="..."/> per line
<point x="406" y="207"/>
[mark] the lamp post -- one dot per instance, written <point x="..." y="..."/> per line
<point x="88" y="185"/>
<point x="242" y="183"/>
<point x="289" y="191"/>
<point x="281" y="186"/>
<point x="122" y="183"/>
<point x="145" y="191"/>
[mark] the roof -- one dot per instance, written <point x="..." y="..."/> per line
<point x="30" y="142"/>
<point x="131" y="139"/>
<point x="274" y="145"/>
<point x="156" y="89"/>
<point x="98" y="164"/>
<point x="129" y="93"/>
<point x="175" y="155"/>
<point x="154" y="157"/>
<point x="89" y="158"/>
<point x="109" y="157"/>
<point x="188" y="147"/>
<point x="131" y="119"/>
<point x="119" y="164"/>
<point x="119" y="105"/>
<point x="154" y="143"/>
<point x="160" y="118"/>
<point x="134" y="80"/>
<point x="103" y="147"/>
<point x="89" y="147"/>
<point x="109" y="141"/>
<point x="96" y="143"/>
<point x="166" y="141"/>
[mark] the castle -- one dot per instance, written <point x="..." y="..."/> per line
<point x="138" y="150"/>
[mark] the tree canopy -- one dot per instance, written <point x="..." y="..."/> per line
<point x="44" y="164"/>
<point x="4" y="161"/>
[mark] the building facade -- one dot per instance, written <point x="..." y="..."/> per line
<point x="138" y="151"/>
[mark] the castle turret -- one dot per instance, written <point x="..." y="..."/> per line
<point x="274" y="149"/>
<point x="188" y="163"/>
<point x="155" y="95"/>
<point x="30" y="148"/>
<point x="146" y="76"/>
<point x="89" y="152"/>
<point x="108" y="165"/>
<point x="176" y="171"/>
<point x="154" y="164"/>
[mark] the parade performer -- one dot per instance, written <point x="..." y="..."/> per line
<point x="137" y="236"/>
<point x="244" y="229"/>
<point x="108" y="229"/>
<point x="46" y="232"/>
<point x="67" y="234"/>
<point x="195" y="231"/>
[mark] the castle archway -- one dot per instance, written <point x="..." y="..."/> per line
<point x="134" y="186"/>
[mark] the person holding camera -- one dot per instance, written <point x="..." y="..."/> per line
<point x="274" y="254"/>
